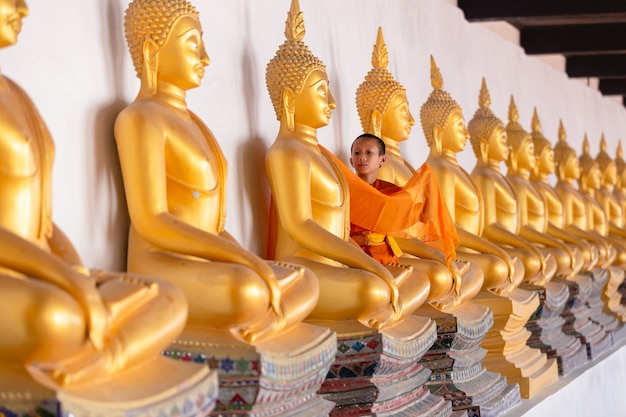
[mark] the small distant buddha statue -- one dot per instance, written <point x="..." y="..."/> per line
<point x="620" y="184"/>
<point x="311" y="198"/>
<point x="175" y="180"/>
<point x="532" y="209"/>
<point x="574" y="203"/>
<point x="71" y="327"/>
<point x="500" y="211"/>
<point x="544" y="167"/>
<point x="446" y="135"/>
<point x="384" y="112"/>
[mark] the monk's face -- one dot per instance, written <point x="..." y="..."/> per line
<point x="366" y="158"/>
<point x="498" y="148"/>
<point x="397" y="120"/>
<point x="545" y="162"/>
<point x="455" y="134"/>
<point x="182" y="57"/>
<point x="11" y="14"/>
<point x="526" y="155"/>
<point x="314" y="103"/>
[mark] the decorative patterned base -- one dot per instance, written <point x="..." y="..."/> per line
<point x="21" y="396"/>
<point x="507" y="352"/>
<point x="380" y="374"/>
<point x="547" y="329"/>
<point x="599" y="311"/>
<point x="276" y="377"/>
<point x="159" y="387"/>
<point x="455" y="361"/>
<point x="611" y="296"/>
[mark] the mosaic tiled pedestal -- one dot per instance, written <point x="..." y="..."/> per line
<point x="160" y="387"/>
<point x="380" y="374"/>
<point x="612" y="297"/>
<point x="276" y="377"/>
<point x="21" y="396"/>
<point x="547" y="327"/>
<point x="455" y="360"/>
<point x="600" y="312"/>
<point x="507" y="351"/>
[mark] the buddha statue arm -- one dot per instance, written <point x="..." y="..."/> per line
<point x="29" y="259"/>
<point x="61" y="246"/>
<point x="418" y="248"/>
<point x="616" y="230"/>
<point x="141" y="142"/>
<point x="545" y="239"/>
<point x="497" y="233"/>
<point x="290" y="172"/>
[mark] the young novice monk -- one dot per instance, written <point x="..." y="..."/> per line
<point x="367" y="156"/>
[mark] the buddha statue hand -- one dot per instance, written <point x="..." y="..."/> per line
<point x="402" y="272"/>
<point x="457" y="273"/>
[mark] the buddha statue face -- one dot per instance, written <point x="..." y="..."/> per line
<point x="609" y="175"/>
<point x="526" y="158"/>
<point x="570" y="169"/>
<point x="545" y="161"/>
<point x="314" y="104"/>
<point x="397" y="120"/>
<point x="497" y="147"/>
<point x="11" y="14"/>
<point x="454" y="134"/>
<point x="592" y="179"/>
<point x="182" y="58"/>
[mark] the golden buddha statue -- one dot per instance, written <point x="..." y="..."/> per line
<point x="532" y="210"/>
<point x="500" y="210"/>
<point x="312" y="202"/>
<point x="620" y="184"/>
<point x="73" y="328"/>
<point x="446" y="135"/>
<point x="384" y="112"/>
<point x="177" y="200"/>
<point x="557" y="227"/>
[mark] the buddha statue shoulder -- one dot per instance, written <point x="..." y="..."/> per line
<point x="384" y="111"/>
<point x="175" y="180"/>
<point x="71" y="327"/>
<point x="446" y="134"/>
<point x="312" y="202"/>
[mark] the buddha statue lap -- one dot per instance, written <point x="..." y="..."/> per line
<point x="501" y="213"/>
<point x="79" y="332"/>
<point x="384" y="112"/>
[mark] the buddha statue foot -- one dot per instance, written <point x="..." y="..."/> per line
<point x="278" y="376"/>
<point x="380" y="373"/>
<point x="21" y="395"/>
<point x="155" y="387"/>
<point x="455" y="360"/>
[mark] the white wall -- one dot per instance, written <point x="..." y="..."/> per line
<point x="72" y="59"/>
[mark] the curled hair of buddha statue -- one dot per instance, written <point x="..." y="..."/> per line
<point x="620" y="164"/>
<point x="379" y="87"/>
<point x="562" y="150"/>
<point x="515" y="134"/>
<point x="437" y="109"/>
<point x="152" y="19"/>
<point x="539" y="140"/>
<point x="293" y="61"/>
<point x="484" y="121"/>
<point x="586" y="160"/>
<point x="603" y="159"/>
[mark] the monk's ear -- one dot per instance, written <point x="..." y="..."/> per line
<point x="289" y="108"/>
<point x="351" y="163"/>
<point x="382" y="160"/>
<point x="376" y="123"/>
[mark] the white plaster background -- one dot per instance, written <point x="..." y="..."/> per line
<point x="72" y="60"/>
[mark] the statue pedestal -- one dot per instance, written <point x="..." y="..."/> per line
<point x="507" y="352"/>
<point x="379" y="372"/>
<point x="21" y="396"/>
<point x="455" y="361"/>
<point x="547" y="327"/>
<point x="600" y="312"/>
<point x="157" y="387"/>
<point x="612" y="296"/>
<point x="279" y="376"/>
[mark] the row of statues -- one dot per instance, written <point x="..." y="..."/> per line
<point x="185" y="269"/>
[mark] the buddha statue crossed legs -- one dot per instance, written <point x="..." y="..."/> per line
<point x="312" y="203"/>
<point x="175" y="180"/>
<point x="73" y="328"/>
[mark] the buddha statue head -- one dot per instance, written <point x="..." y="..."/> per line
<point x="543" y="150"/>
<point x="589" y="178"/>
<point x="296" y="79"/>
<point x="442" y="117"/>
<point x="567" y="164"/>
<point x="606" y="165"/>
<point x="620" y="166"/>
<point x="522" y="156"/>
<point x="381" y="101"/>
<point x="11" y="14"/>
<point x="487" y="133"/>
<point x="165" y="42"/>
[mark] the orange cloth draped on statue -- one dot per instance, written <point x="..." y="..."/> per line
<point x="416" y="210"/>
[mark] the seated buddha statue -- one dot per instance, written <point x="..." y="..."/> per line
<point x="619" y="190"/>
<point x="574" y="203"/>
<point x="384" y="112"/>
<point x="311" y="198"/>
<point x="446" y="135"/>
<point x="500" y="211"/>
<point x="175" y="180"/>
<point x="533" y="214"/>
<point x="70" y="326"/>
<point x="555" y="212"/>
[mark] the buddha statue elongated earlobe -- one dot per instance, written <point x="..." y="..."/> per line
<point x="484" y="153"/>
<point x="376" y="123"/>
<point x="151" y="63"/>
<point x="289" y="108"/>
<point x="438" y="139"/>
